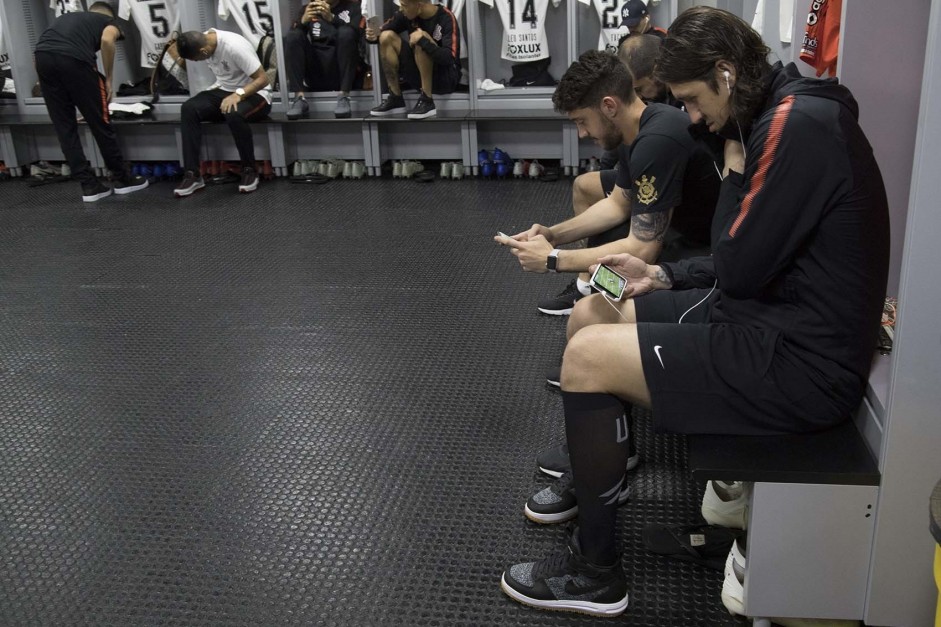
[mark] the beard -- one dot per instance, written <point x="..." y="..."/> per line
<point x="611" y="138"/>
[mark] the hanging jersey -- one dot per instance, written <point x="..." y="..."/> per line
<point x="821" y="43"/>
<point x="66" y="6"/>
<point x="524" y="28"/>
<point x="609" y="12"/>
<point x="253" y="17"/>
<point x="155" y="19"/>
<point x="4" y="55"/>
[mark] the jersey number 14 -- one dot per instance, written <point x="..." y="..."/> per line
<point x="529" y="13"/>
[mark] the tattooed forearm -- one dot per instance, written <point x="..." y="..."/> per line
<point x="649" y="227"/>
<point x="664" y="278"/>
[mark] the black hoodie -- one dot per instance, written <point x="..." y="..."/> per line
<point x="801" y="240"/>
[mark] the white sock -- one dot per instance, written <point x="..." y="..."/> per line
<point x="583" y="287"/>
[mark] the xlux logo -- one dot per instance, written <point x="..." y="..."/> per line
<point x="524" y="48"/>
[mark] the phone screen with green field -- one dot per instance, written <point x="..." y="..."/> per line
<point x="609" y="281"/>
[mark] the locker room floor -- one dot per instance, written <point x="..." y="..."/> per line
<point x="307" y="405"/>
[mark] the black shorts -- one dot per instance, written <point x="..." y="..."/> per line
<point x="443" y="81"/>
<point x="726" y="378"/>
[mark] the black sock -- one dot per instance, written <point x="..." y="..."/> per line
<point x="597" y="437"/>
<point x="629" y="413"/>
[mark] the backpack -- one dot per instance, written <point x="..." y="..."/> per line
<point x="167" y="78"/>
<point x="268" y="55"/>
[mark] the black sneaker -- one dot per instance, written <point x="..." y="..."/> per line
<point x="563" y="303"/>
<point x="249" y="180"/>
<point x="94" y="190"/>
<point x="555" y="461"/>
<point x="424" y="108"/>
<point x="557" y="503"/>
<point x="554" y="376"/>
<point x="190" y="183"/>
<point x="127" y="183"/>
<point x="566" y="581"/>
<point x="390" y="106"/>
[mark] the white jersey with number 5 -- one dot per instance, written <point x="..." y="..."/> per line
<point x="66" y="6"/>
<point x="4" y="55"/>
<point x="253" y="17"/>
<point x="524" y="28"/>
<point x="155" y="19"/>
<point x="609" y="12"/>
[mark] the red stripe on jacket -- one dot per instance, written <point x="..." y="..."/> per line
<point x="765" y="161"/>
<point x="104" y="100"/>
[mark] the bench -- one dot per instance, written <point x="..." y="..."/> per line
<point x="810" y="518"/>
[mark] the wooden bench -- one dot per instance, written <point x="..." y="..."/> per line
<point x="810" y="518"/>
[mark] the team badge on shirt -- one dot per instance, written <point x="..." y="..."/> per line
<point x="437" y="34"/>
<point x="646" y="192"/>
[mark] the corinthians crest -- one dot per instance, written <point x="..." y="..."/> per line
<point x="646" y="192"/>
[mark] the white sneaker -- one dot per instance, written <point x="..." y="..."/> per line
<point x="358" y="170"/>
<point x="732" y="513"/>
<point x="733" y="587"/>
<point x="535" y="170"/>
<point x="445" y="172"/>
<point x="298" y="168"/>
<point x="519" y="169"/>
<point x="333" y="169"/>
<point x="347" y="169"/>
<point x="396" y="169"/>
<point x="457" y="171"/>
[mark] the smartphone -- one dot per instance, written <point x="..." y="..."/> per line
<point x="502" y="234"/>
<point x="373" y="22"/>
<point x="608" y="282"/>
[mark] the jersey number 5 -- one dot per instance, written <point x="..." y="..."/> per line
<point x="161" y="26"/>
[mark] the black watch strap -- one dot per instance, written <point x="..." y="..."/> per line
<point x="552" y="261"/>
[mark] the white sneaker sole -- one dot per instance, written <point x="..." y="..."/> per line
<point x="548" y="519"/>
<point x="422" y="116"/>
<point x="733" y="592"/>
<point x="556" y="312"/>
<point x="95" y="197"/>
<point x="583" y="607"/>
<point x="131" y="188"/>
<point x="245" y="189"/>
<point x="396" y="111"/>
<point x="189" y="191"/>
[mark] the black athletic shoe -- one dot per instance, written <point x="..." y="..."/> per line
<point x="555" y="461"/>
<point x="390" y="106"/>
<point x="190" y="183"/>
<point x="94" y="190"/>
<point x="554" y="376"/>
<point x="127" y="183"/>
<point x="566" y="581"/>
<point x="424" y="108"/>
<point x="563" y="303"/>
<point x="249" y="181"/>
<point x="557" y="503"/>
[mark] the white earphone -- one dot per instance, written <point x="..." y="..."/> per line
<point x="727" y="85"/>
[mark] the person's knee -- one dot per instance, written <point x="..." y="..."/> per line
<point x="234" y="118"/>
<point x="346" y="37"/>
<point x="388" y="40"/>
<point x="583" y="314"/>
<point x="189" y="110"/>
<point x="580" y="362"/>
<point x="586" y="191"/>
<point x="294" y="37"/>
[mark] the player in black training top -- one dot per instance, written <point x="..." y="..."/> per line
<point x="68" y="77"/>
<point x="321" y="53"/>
<point x="421" y="41"/>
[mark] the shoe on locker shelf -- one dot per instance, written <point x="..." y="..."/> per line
<point x="445" y="171"/>
<point x="503" y="169"/>
<point x="396" y="169"/>
<point x="520" y="169"/>
<point x="358" y="170"/>
<point x="457" y="171"/>
<point x="486" y="169"/>
<point x="483" y="156"/>
<point x="536" y="169"/>
<point x="501" y="157"/>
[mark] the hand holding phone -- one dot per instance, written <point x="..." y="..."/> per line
<point x="609" y="282"/>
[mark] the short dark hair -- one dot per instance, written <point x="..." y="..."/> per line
<point x="595" y="75"/>
<point x="702" y="36"/>
<point x="189" y="43"/>
<point x="640" y="53"/>
<point x="98" y="7"/>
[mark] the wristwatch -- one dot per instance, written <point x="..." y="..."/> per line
<point x="240" y="93"/>
<point x="552" y="260"/>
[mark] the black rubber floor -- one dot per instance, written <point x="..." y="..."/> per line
<point x="311" y="405"/>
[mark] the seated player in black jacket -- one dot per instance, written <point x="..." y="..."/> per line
<point x="321" y="53"/>
<point x="420" y="42"/>
<point x="772" y="334"/>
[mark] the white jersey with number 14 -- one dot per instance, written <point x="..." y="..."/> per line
<point x="524" y="28"/>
